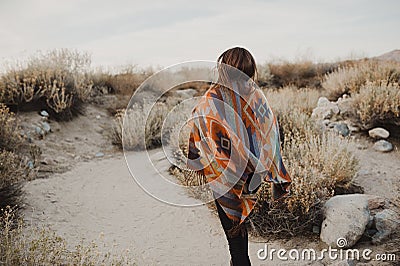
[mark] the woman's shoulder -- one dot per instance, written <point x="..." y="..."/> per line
<point x="215" y="91"/>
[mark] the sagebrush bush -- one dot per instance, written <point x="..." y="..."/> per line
<point x="318" y="165"/>
<point x="56" y="81"/>
<point x="293" y="108"/>
<point x="349" y="79"/>
<point x="377" y="103"/>
<point x="10" y="139"/>
<point x="132" y="131"/>
<point x="18" y="159"/>
<point x="299" y="74"/>
<point x="28" y="245"/>
<point x="123" y="83"/>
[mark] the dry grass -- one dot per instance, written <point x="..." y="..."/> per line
<point x="41" y="246"/>
<point x="317" y="162"/>
<point x="318" y="165"/>
<point x="56" y="81"/>
<point x="9" y="138"/>
<point x="18" y="159"/>
<point x="132" y="131"/>
<point x="349" y="79"/>
<point x="300" y="74"/>
<point x="293" y="107"/>
<point x="124" y="83"/>
<point x="377" y="103"/>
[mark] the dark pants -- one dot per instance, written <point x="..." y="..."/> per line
<point x="238" y="245"/>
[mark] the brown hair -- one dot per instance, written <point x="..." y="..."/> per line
<point x="241" y="59"/>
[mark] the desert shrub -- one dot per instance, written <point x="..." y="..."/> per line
<point x="293" y="108"/>
<point x="10" y="139"/>
<point x="132" y="131"/>
<point x="56" y="81"/>
<point x="125" y="82"/>
<point x="18" y="159"/>
<point x="300" y="74"/>
<point x="21" y="245"/>
<point x="318" y="166"/>
<point x="349" y="79"/>
<point x="318" y="163"/>
<point x="264" y="76"/>
<point x="377" y="103"/>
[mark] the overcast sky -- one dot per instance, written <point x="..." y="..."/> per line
<point x="167" y="32"/>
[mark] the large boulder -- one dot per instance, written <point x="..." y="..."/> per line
<point x="386" y="222"/>
<point x="345" y="220"/>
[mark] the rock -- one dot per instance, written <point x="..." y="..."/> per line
<point x="383" y="146"/>
<point x="386" y="222"/>
<point x="99" y="154"/>
<point x="323" y="101"/>
<point x="98" y="117"/>
<point x="30" y="165"/>
<point x="326" y="122"/>
<point x="371" y="222"/>
<point x="316" y="229"/>
<point x="375" y="202"/>
<point x="322" y="113"/>
<point x="325" y="109"/>
<point x="47" y="161"/>
<point x="44" y="113"/>
<point x="346" y="217"/>
<point x="45" y="126"/>
<point x="378" y="133"/>
<point x="353" y="128"/>
<point x="335" y="109"/>
<point x="187" y="93"/>
<point x="342" y="129"/>
<point x="345" y="106"/>
<point x="39" y="131"/>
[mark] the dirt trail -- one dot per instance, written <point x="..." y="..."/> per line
<point x="100" y="197"/>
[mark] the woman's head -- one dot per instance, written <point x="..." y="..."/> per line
<point x="239" y="58"/>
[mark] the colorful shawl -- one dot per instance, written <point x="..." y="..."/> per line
<point x="234" y="142"/>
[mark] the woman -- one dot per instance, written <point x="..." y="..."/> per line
<point x="234" y="143"/>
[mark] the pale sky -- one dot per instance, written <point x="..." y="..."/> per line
<point x="167" y="32"/>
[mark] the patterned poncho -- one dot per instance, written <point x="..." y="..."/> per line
<point x="234" y="142"/>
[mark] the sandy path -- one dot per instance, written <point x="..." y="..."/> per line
<point x="100" y="196"/>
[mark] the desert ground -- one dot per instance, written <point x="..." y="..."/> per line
<point x="94" y="197"/>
